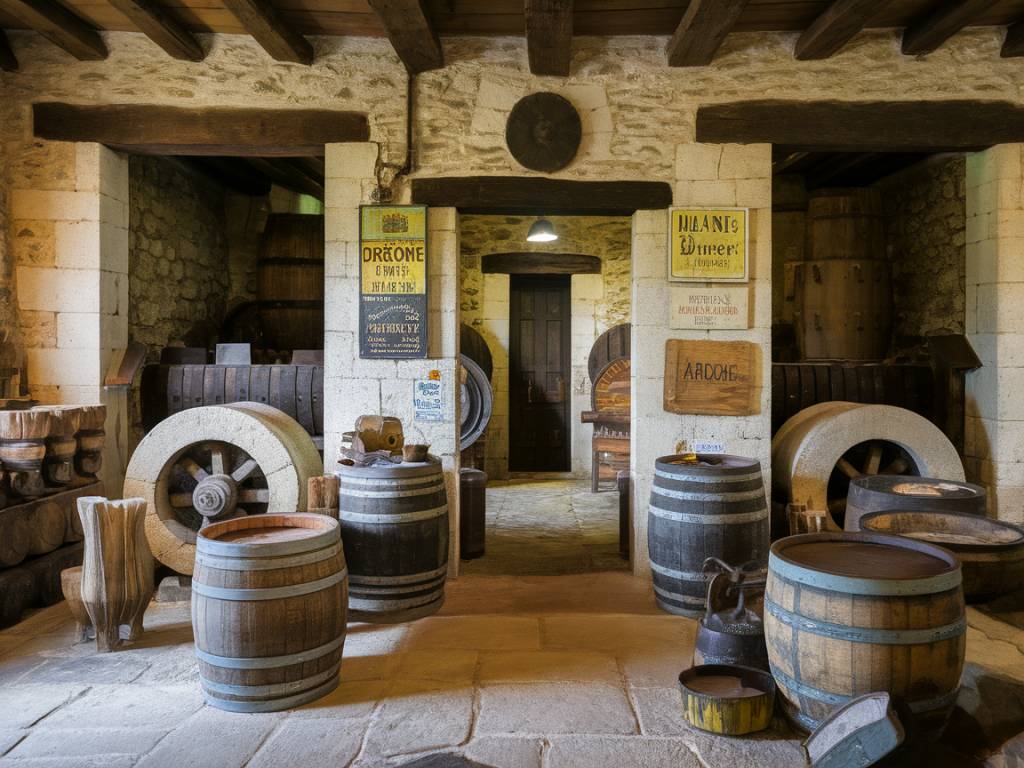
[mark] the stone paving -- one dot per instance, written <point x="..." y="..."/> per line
<point x="516" y="672"/>
<point x="541" y="526"/>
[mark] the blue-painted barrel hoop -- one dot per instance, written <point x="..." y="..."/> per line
<point x="851" y="585"/>
<point x="274" y="689"/>
<point x="270" y="662"/>
<point x="734" y="519"/>
<point x="268" y="593"/>
<point x="273" y="705"/>
<point x="266" y="563"/>
<point x="407" y="578"/>
<point x="870" y="635"/>
<point x="388" y="518"/>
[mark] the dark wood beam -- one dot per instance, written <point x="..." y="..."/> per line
<point x="262" y="21"/>
<point x="549" y="36"/>
<point x="231" y="172"/>
<point x="61" y="27"/>
<point x="8" y="61"/>
<point x="882" y="126"/>
<point x="936" y="27"/>
<point x="241" y="132"/>
<point x="411" y="32"/>
<point x="532" y="195"/>
<point x="1013" y="45"/>
<point x="533" y="263"/>
<point x="834" y="28"/>
<point x="285" y="174"/>
<point x="702" y="30"/>
<point x="158" y="25"/>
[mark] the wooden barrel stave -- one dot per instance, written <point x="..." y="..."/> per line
<point x="876" y="493"/>
<point x="290" y="276"/>
<point x="845" y="223"/>
<point x="698" y="512"/>
<point x="269" y="618"/>
<point x="613" y="344"/>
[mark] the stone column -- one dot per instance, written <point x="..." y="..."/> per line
<point x="707" y="175"/>
<point x="69" y="228"/>
<point x="994" y="429"/>
<point x="352" y="386"/>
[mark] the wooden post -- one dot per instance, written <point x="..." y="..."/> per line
<point x="117" y="570"/>
<point x="322" y="497"/>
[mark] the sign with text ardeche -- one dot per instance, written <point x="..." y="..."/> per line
<point x="392" y="281"/>
<point x="713" y="378"/>
<point x="708" y="244"/>
<point x="709" y="307"/>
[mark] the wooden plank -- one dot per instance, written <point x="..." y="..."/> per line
<point x="1013" y="45"/>
<point x="838" y="126"/>
<point x="283" y="173"/>
<point x="149" y="129"/>
<point x="716" y="378"/>
<point x="263" y="22"/>
<point x="8" y="61"/>
<point x="549" y="36"/>
<point x="527" y="195"/>
<point x="411" y="33"/>
<point x="162" y="28"/>
<point x="936" y="27"/>
<point x="702" y="30"/>
<point x="61" y="27"/>
<point x="834" y="28"/>
<point x="540" y="264"/>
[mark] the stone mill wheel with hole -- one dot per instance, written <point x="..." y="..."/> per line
<point x="214" y="463"/>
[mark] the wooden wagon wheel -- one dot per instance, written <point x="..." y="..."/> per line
<point x="215" y="480"/>
<point x="872" y="457"/>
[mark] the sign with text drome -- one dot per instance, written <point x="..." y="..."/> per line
<point x="708" y="245"/>
<point x="392" y="281"/>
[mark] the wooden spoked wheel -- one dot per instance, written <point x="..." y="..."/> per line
<point x="872" y="457"/>
<point x="215" y="481"/>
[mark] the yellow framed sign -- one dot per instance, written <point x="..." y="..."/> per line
<point x="708" y="245"/>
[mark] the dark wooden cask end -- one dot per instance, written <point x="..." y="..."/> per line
<point x="394" y="523"/>
<point x="291" y="281"/>
<point x="714" y="508"/>
<point x="875" y="493"/>
<point x="613" y="344"/>
<point x="269" y="610"/>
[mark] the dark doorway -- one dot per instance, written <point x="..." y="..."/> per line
<point x="539" y="373"/>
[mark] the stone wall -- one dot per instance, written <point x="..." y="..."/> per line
<point x="598" y="303"/>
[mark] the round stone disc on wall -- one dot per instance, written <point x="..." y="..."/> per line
<point x="543" y="132"/>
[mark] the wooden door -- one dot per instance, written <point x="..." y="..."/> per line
<point x="539" y="373"/>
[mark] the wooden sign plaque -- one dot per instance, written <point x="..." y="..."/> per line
<point x="714" y="378"/>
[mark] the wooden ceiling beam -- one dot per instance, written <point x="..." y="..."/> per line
<point x="549" y="36"/>
<point x="937" y="26"/>
<point x="239" y="132"/>
<point x="704" y="26"/>
<point x="262" y="21"/>
<point x="163" y="29"/>
<point x="61" y="27"/>
<point x="285" y="174"/>
<point x="1013" y="45"/>
<point x="8" y="61"/>
<point x="834" y="28"/>
<point x="230" y="172"/>
<point x="411" y="32"/>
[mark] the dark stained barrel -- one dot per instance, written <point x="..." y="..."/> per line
<point x="845" y="223"/>
<point x="875" y="493"/>
<point x="846" y="614"/>
<point x="613" y="344"/>
<point x="474" y="346"/>
<point x="394" y="524"/>
<point x="476" y="402"/>
<point x="713" y="508"/>
<point x="290" y="275"/>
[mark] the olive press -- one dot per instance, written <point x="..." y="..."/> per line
<point x="730" y="632"/>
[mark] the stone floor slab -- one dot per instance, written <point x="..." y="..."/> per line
<point x="212" y="738"/>
<point x="22" y="706"/>
<point x="9" y="737"/>
<point x="117" y="667"/>
<point x="598" y="752"/>
<point x="506" y="751"/>
<point x="349" y="701"/>
<point x="42" y="742"/>
<point x="128" y="706"/>
<point x="548" y="666"/>
<point x="310" y="744"/>
<point x="96" y="761"/>
<point x="418" y="716"/>
<point x="456" y="666"/>
<point x="487" y="633"/>
<point x="548" y="708"/>
<point x="612" y="633"/>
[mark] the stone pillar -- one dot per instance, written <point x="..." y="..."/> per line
<point x="69" y="228"/>
<point x="707" y="175"/>
<point x="352" y="386"/>
<point x="994" y="429"/>
<point x="495" y="330"/>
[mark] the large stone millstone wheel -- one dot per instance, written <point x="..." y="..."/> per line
<point x="819" y="450"/>
<point x="213" y="463"/>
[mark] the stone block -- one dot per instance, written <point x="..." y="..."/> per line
<point x="443" y="220"/>
<point x="54" y="205"/>
<point x="453" y="666"/>
<point x="212" y="737"/>
<point x="746" y="161"/>
<point x="43" y="743"/>
<point x="604" y="633"/>
<point x="704" y="194"/>
<point x="113" y="211"/>
<point x="310" y="743"/>
<point x="420" y="716"/>
<point x="21" y="706"/>
<point x="548" y="666"/>
<point x="698" y="162"/>
<point x="552" y="708"/>
<point x="63" y="367"/>
<point x="351" y="161"/>
<point x="341" y="304"/>
<point x="341" y="224"/>
<point x="475" y="632"/>
<point x="342" y="193"/>
<point x="126" y="707"/>
<point x="38" y="329"/>
<point x="754" y="193"/>
<point x="33" y="243"/>
<point x="351" y="700"/>
<point x="79" y="330"/>
<point x="505" y="751"/>
<point x="68" y="290"/>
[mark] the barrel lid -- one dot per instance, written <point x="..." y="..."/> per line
<point x="865" y="563"/>
<point x="268" y="535"/>
<point x="919" y="487"/>
<point x="431" y="466"/>
<point x="958" y="531"/>
<point x="708" y="463"/>
<point x="861" y="732"/>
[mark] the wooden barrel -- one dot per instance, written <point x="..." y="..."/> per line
<point x="847" y="614"/>
<point x="290" y="274"/>
<point x="476" y="402"/>
<point x="611" y="390"/>
<point x="613" y="344"/>
<point x="269" y="597"/>
<point x="874" y="493"/>
<point x="991" y="553"/>
<point x="714" y="508"/>
<point x="843" y="309"/>
<point x="394" y="523"/>
<point x="474" y="346"/>
<point x="845" y="224"/>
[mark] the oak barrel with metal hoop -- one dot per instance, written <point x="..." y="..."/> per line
<point x="715" y="507"/>
<point x="269" y="598"/>
<point x="874" y="493"/>
<point x="847" y="614"/>
<point x="394" y="525"/>
<point x="613" y="344"/>
<point x="291" y="281"/>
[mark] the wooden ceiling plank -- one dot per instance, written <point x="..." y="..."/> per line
<point x="277" y="37"/>
<point x="61" y="27"/>
<point x="411" y="32"/>
<point x="163" y="29"/>
<point x="230" y="172"/>
<point x="549" y="36"/>
<point x="8" y="61"/>
<point x="285" y="174"/>
<point x="160" y="130"/>
<point x="834" y="28"/>
<point x="704" y="26"/>
<point x="1013" y="45"/>
<point x="944" y="21"/>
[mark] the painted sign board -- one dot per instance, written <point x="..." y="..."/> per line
<point x="721" y="307"/>
<point x="708" y="244"/>
<point x="393" y="272"/>
<point x="714" y="378"/>
<point x="428" y="399"/>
